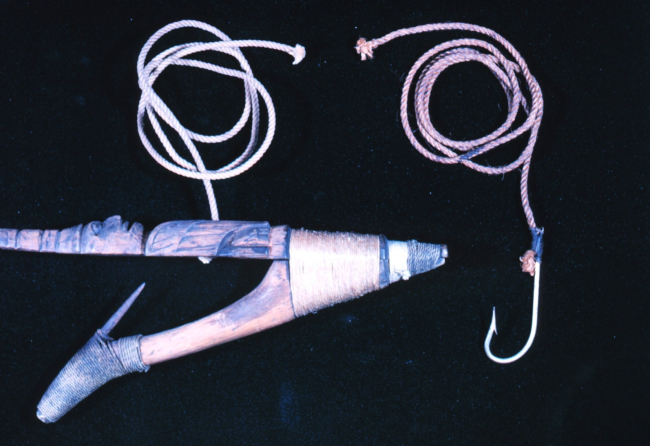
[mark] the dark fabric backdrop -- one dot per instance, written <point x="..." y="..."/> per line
<point x="401" y="366"/>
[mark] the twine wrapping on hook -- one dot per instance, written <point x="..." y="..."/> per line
<point x="102" y="359"/>
<point x="154" y="106"/>
<point x="509" y="72"/>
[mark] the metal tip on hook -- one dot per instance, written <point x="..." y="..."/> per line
<point x="299" y="54"/>
<point x="112" y="322"/>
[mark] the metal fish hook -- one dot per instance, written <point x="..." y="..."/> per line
<point x="533" y="327"/>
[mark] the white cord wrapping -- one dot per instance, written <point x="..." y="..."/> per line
<point x="154" y="105"/>
<point x="327" y="268"/>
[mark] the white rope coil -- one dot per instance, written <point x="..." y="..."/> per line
<point x="154" y="106"/>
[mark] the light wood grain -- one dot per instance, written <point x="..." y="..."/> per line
<point x="266" y="306"/>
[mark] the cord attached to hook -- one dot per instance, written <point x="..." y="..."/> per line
<point x="534" y="256"/>
<point x="510" y="69"/>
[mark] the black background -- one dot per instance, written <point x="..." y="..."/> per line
<point x="401" y="366"/>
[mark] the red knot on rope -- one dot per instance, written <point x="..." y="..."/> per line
<point x="528" y="262"/>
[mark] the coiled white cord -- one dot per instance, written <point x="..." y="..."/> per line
<point x="154" y="106"/>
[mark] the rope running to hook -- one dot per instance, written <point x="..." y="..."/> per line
<point x="154" y="106"/>
<point x="447" y="151"/>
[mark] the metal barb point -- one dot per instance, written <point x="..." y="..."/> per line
<point x="533" y="327"/>
<point x="112" y="322"/>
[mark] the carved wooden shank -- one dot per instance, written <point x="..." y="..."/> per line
<point x="266" y="306"/>
<point x="112" y="237"/>
<point x="195" y="238"/>
<point x="242" y="239"/>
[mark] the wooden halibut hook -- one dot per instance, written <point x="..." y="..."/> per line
<point x="311" y="270"/>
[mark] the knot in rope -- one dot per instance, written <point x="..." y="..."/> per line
<point x="528" y="262"/>
<point x="365" y="48"/>
<point x="154" y="107"/>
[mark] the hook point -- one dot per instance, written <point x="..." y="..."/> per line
<point x="112" y="322"/>
<point x="533" y="326"/>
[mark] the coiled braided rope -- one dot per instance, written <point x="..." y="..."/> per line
<point x="154" y="106"/>
<point x="508" y="72"/>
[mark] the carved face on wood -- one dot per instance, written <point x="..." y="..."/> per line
<point x="112" y="237"/>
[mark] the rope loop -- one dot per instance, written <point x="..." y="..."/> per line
<point x="508" y="71"/>
<point x="155" y="108"/>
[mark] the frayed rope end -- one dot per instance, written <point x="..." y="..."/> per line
<point x="365" y="48"/>
<point x="299" y="54"/>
